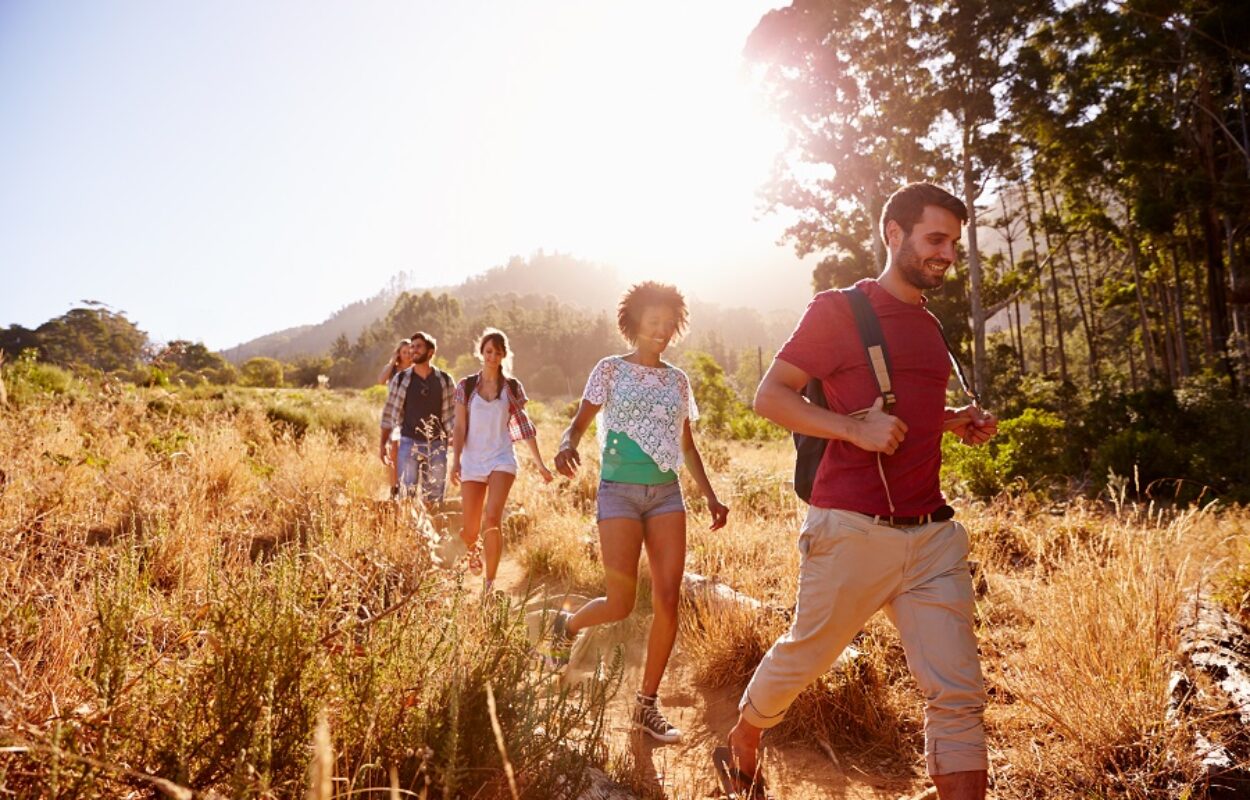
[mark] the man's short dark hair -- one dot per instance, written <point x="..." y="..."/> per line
<point x="906" y="206"/>
<point x="427" y="338"/>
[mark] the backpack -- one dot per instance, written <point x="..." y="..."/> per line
<point x="809" y="450"/>
<point x="470" y="383"/>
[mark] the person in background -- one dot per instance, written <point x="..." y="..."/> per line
<point x="645" y="436"/>
<point x="482" y="461"/>
<point x="400" y="361"/>
<point x="419" y="403"/>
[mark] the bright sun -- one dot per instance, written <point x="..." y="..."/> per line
<point x="648" y="155"/>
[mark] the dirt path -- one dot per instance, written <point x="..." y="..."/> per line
<point x="683" y="771"/>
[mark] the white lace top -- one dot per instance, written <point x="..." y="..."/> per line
<point x="648" y="404"/>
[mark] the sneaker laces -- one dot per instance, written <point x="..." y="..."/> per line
<point x="650" y="716"/>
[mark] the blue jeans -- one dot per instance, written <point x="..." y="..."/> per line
<point x="423" y="461"/>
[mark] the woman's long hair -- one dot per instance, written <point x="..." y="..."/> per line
<point x="500" y="340"/>
<point x="397" y="358"/>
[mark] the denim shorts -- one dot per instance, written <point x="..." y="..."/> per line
<point x="638" y="501"/>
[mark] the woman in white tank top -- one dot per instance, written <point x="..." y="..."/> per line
<point x="490" y="416"/>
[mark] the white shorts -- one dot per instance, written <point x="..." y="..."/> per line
<point x="479" y="471"/>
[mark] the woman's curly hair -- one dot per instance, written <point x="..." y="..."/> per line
<point x="643" y="295"/>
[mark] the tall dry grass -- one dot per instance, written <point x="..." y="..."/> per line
<point x="191" y="580"/>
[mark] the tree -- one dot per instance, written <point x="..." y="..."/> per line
<point x="188" y="356"/>
<point x="94" y="337"/>
<point x="849" y="81"/>
<point x="975" y="41"/>
<point x="262" y="372"/>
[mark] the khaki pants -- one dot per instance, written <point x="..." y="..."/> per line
<point x="850" y="569"/>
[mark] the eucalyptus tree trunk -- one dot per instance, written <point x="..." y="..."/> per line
<point x="1091" y="346"/>
<point x="1134" y="257"/>
<point x="1054" y="286"/>
<point x="1037" y="261"/>
<point x="974" y="270"/>
<point x="1017" y="332"/>
<point x="1182" y="347"/>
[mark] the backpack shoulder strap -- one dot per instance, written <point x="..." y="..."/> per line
<point x="470" y="383"/>
<point x="959" y="368"/>
<point x="874" y="342"/>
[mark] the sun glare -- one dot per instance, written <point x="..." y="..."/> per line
<point x="649" y="156"/>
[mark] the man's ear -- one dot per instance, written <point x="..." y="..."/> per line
<point x="893" y="234"/>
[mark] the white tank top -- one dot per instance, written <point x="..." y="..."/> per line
<point x="488" y="440"/>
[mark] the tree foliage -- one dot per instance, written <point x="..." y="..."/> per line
<point x="95" y="337"/>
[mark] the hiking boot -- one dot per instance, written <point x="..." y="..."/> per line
<point x="561" y="647"/>
<point x="647" y="718"/>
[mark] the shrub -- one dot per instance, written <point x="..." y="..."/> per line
<point x="26" y="378"/>
<point x="1145" y="456"/>
<point x="288" y="418"/>
<point x="263" y="372"/>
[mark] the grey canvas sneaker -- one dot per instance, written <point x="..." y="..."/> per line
<point x="560" y="648"/>
<point x="647" y="718"/>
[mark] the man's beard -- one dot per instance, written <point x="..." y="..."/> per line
<point x="912" y="268"/>
<point x="423" y="358"/>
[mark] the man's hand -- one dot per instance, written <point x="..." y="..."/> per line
<point x="567" y="461"/>
<point x="877" y="431"/>
<point x="972" y="425"/>
<point x="386" y="454"/>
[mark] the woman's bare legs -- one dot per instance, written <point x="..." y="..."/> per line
<point x="472" y="498"/>
<point x="620" y="543"/>
<point x="620" y="547"/>
<point x="665" y="538"/>
<point x="498" y="485"/>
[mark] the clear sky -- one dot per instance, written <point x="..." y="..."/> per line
<point x="220" y="170"/>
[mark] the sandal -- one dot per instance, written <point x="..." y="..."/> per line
<point x="736" y="784"/>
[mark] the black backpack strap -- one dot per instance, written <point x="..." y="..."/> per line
<point x="874" y="343"/>
<point x="959" y="368"/>
<point x="470" y="383"/>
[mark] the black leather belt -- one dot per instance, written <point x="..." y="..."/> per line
<point x="941" y="515"/>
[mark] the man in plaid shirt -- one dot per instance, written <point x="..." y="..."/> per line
<point x="419" y="403"/>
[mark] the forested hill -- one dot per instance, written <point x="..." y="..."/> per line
<point x="566" y="279"/>
<point x="315" y="339"/>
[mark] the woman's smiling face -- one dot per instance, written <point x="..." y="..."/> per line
<point x="656" y="326"/>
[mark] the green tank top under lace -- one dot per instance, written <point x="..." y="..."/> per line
<point x="625" y="462"/>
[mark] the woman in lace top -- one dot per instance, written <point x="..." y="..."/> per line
<point x="644" y="437"/>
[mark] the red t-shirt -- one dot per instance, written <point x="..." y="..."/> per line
<point x="826" y="345"/>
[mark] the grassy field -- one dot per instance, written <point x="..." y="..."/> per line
<point x="194" y="583"/>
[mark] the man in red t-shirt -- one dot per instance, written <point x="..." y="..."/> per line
<point x="879" y="533"/>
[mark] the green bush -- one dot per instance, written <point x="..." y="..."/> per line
<point x="1145" y="456"/>
<point x="1031" y="448"/>
<point x="27" y="378"/>
<point x="976" y="471"/>
<point x="287" y="418"/>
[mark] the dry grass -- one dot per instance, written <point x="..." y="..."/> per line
<point x="190" y="580"/>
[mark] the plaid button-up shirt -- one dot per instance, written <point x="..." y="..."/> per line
<point x="397" y="393"/>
